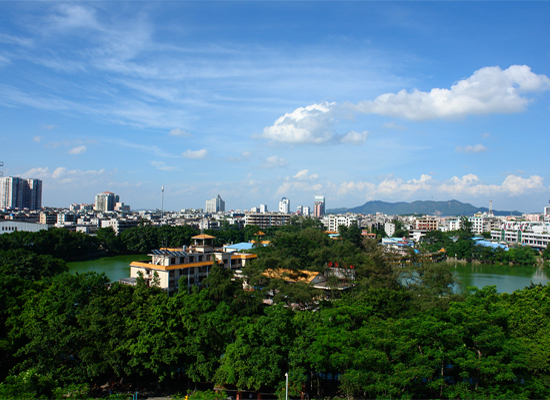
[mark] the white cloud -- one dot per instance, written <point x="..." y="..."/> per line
<point x="488" y="90"/>
<point x="288" y="188"/>
<point x="62" y="174"/>
<point x="478" y="148"/>
<point x="310" y="124"/>
<point x="353" y="137"/>
<point x="49" y="127"/>
<point x="77" y="150"/>
<point x="38" y="173"/>
<point x="163" y="167"/>
<point x="516" y="185"/>
<point x="37" y="139"/>
<point x="304" y="175"/>
<point x="179" y="133"/>
<point x="354" y="187"/>
<point x="195" y="154"/>
<point x="393" y="125"/>
<point x="468" y="185"/>
<point x="274" y="162"/>
<point x="245" y="155"/>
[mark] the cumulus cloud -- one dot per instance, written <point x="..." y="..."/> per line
<point x="488" y="90"/>
<point x="478" y="148"/>
<point x="195" y="154"/>
<point x="179" y="133"/>
<point x="353" y="137"/>
<point x="310" y="124"/>
<point x="467" y="185"/>
<point x="298" y="187"/>
<point x="77" y="150"/>
<point x="274" y="162"/>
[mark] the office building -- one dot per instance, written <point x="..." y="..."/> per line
<point x="19" y="193"/>
<point x="106" y="201"/>
<point x="263" y="208"/>
<point x="215" y="205"/>
<point x="319" y="206"/>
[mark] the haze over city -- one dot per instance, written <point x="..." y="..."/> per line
<point x="254" y="101"/>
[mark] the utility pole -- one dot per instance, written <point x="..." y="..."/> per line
<point x="286" y="391"/>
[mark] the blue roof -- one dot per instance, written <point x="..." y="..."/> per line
<point x="240" y="246"/>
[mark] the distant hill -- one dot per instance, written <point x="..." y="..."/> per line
<point x="443" y="208"/>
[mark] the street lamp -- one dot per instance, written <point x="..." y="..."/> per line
<point x="286" y="392"/>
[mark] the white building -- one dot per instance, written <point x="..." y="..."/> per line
<point x="215" y="205"/>
<point x="263" y="208"/>
<point x="332" y="222"/>
<point x="284" y="206"/>
<point x="9" y="226"/>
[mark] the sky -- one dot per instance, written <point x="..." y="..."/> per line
<point x="255" y="101"/>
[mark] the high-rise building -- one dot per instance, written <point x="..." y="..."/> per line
<point x="263" y="208"/>
<point x="284" y="206"/>
<point x="305" y="211"/>
<point x="215" y="205"/>
<point x="20" y="193"/>
<point x="319" y="206"/>
<point x="106" y="201"/>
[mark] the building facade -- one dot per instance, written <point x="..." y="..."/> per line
<point x="215" y="205"/>
<point x="20" y="193"/>
<point x="319" y="206"/>
<point x="105" y="201"/>
<point x="284" y="206"/>
<point x="187" y="266"/>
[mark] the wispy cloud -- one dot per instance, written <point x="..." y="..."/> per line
<point x="179" y="133"/>
<point x="163" y="167"/>
<point x="478" y="148"/>
<point x="274" y="162"/>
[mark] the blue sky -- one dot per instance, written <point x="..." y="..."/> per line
<point x="357" y="101"/>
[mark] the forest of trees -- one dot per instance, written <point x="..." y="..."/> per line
<point x="401" y="332"/>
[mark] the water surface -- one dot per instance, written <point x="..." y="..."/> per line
<point x="115" y="267"/>
<point x="506" y="278"/>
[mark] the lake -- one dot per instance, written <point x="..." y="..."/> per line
<point x="507" y="279"/>
<point x="115" y="267"/>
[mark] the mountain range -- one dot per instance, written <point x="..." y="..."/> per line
<point x="442" y="208"/>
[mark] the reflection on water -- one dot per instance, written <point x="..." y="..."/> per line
<point x="506" y="278"/>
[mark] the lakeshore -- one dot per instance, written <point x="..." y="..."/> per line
<point x="506" y="278"/>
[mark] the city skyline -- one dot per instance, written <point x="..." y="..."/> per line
<point x="256" y="101"/>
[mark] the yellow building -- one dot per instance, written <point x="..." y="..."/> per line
<point x="191" y="263"/>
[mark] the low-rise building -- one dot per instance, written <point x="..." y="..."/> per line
<point x="190" y="266"/>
